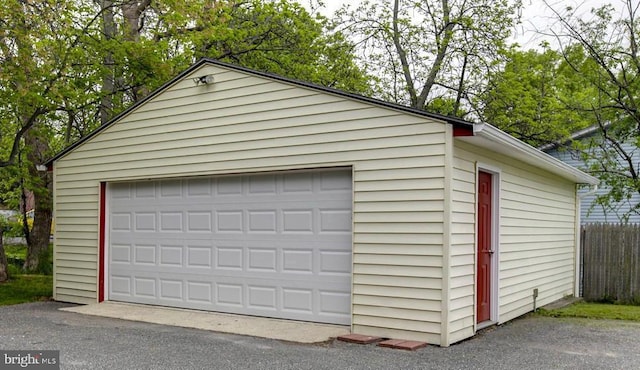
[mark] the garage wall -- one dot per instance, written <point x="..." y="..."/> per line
<point x="463" y="231"/>
<point x="242" y="124"/>
<point x="537" y="239"/>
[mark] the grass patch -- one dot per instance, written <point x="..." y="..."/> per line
<point x="600" y="311"/>
<point x="26" y="288"/>
<point x="17" y="254"/>
<point x="21" y="287"/>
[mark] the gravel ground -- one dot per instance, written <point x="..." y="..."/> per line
<point x="87" y="342"/>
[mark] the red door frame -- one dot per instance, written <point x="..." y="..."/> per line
<point x="485" y="250"/>
<point x="101" y="239"/>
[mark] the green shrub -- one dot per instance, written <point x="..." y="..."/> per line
<point x="13" y="269"/>
<point x="13" y="229"/>
<point x="16" y="251"/>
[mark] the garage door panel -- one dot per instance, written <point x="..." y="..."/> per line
<point x="334" y="263"/>
<point x="199" y="221"/>
<point x="297" y="261"/>
<point x="144" y="287"/>
<point x="171" y="255"/>
<point x="334" y="303"/>
<point x="171" y="221"/>
<point x="171" y="289"/>
<point x="120" y="254"/>
<point x="251" y="297"/>
<point x="289" y="258"/>
<point x="229" y="221"/>
<point x="199" y="291"/>
<point x="230" y="258"/>
<point x="121" y="221"/>
<point x="144" y="221"/>
<point x="297" y="300"/>
<point x="276" y="245"/>
<point x="120" y="286"/>
<point x="294" y="217"/>
<point x="334" y="221"/>
<point x="230" y="294"/>
<point x="144" y="254"/>
<point x="261" y="221"/>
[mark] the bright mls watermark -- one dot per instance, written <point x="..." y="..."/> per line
<point x="29" y="359"/>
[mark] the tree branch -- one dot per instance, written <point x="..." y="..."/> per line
<point x="402" y="54"/>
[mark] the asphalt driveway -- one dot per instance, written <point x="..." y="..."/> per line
<point x="89" y="342"/>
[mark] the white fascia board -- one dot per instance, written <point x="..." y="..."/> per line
<point x="491" y="138"/>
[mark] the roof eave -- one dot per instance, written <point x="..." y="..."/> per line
<point x="513" y="147"/>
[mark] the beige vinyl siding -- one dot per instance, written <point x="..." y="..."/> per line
<point x="526" y="265"/>
<point x="76" y="242"/>
<point x="398" y="251"/>
<point x="462" y="274"/>
<point x="537" y="238"/>
<point x="245" y="124"/>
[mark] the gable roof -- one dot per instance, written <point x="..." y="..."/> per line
<point x="456" y="122"/>
<point x="483" y="135"/>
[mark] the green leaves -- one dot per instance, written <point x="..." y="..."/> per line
<point x="68" y="66"/>
<point x="536" y="98"/>
<point x="283" y="38"/>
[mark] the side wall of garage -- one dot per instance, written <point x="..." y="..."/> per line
<point x="536" y="238"/>
<point x="245" y="124"/>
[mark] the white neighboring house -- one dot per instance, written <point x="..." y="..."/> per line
<point x="8" y="213"/>
<point x="238" y="191"/>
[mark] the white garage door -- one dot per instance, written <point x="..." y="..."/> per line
<point x="275" y="245"/>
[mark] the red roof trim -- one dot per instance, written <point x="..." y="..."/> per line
<point x="462" y="131"/>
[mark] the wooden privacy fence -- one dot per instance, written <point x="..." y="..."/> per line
<point x="611" y="262"/>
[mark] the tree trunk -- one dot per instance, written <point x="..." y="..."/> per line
<point x="41" y="231"/>
<point x="108" y="79"/>
<point x="24" y="205"/>
<point x="442" y="43"/>
<point x="132" y="12"/>
<point x="460" y="92"/>
<point x="402" y="54"/>
<point x="43" y="213"/>
<point x="4" y="271"/>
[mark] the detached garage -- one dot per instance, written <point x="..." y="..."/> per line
<point x="231" y="190"/>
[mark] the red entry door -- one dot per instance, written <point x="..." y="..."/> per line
<point x="485" y="252"/>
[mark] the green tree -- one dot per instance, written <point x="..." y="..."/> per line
<point x="155" y="40"/>
<point x="4" y="268"/>
<point x="609" y="41"/>
<point x="535" y="95"/>
<point x="38" y="49"/>
<point x="69" y="66"/>
<point x="280" y="37"/>
<point x="430" y="50"/>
